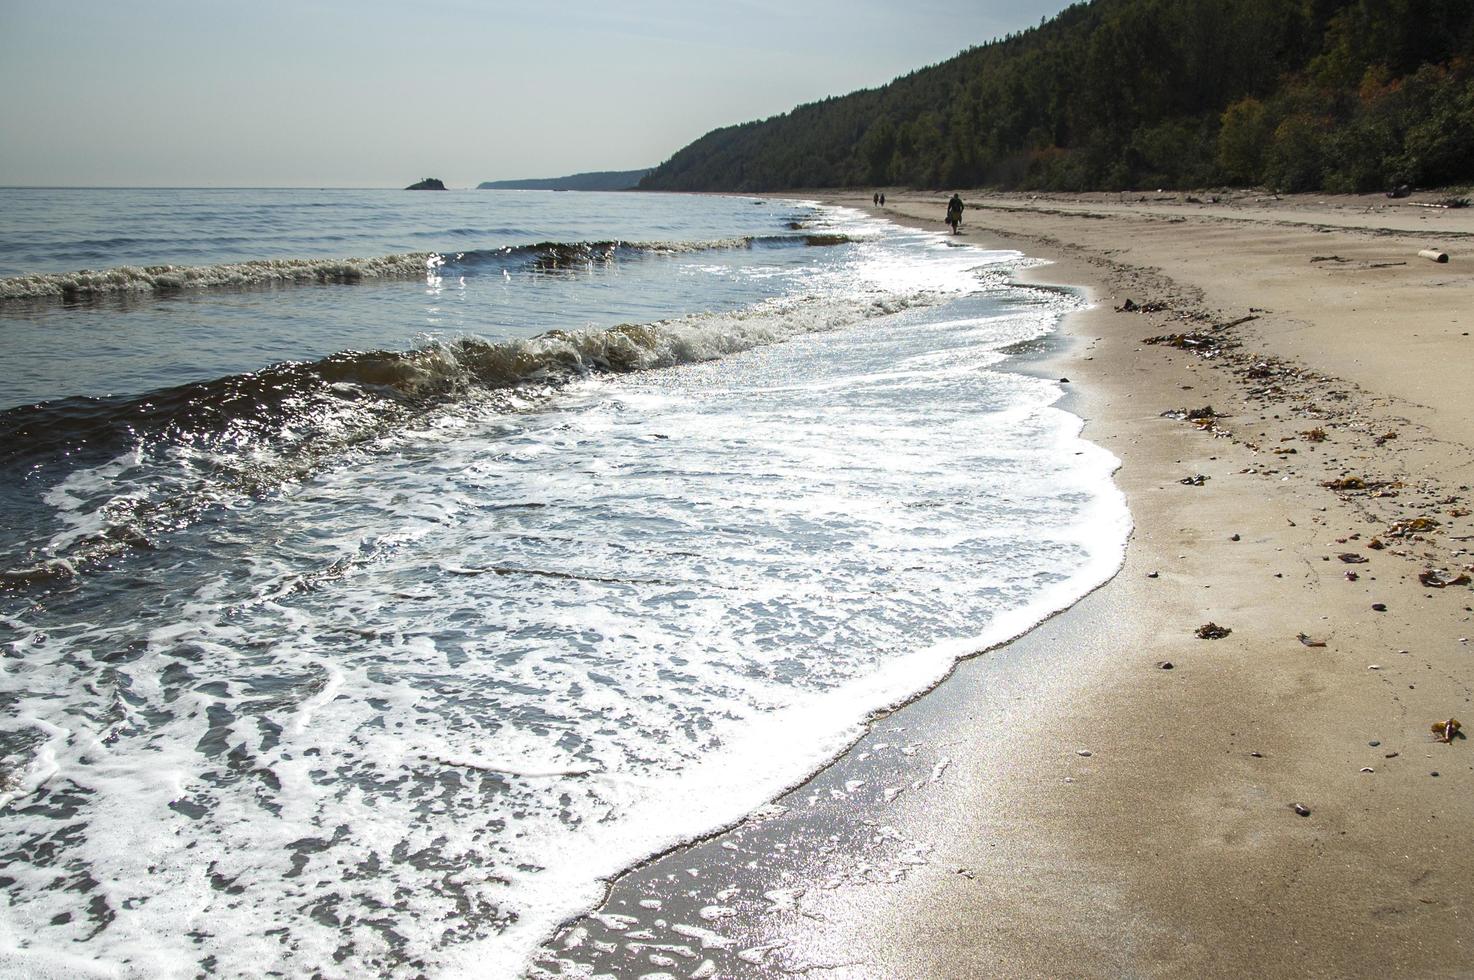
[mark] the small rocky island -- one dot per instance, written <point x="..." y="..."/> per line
<point x="428" y="184"/>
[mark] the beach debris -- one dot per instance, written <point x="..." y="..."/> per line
<point x="1367" y="769"/>
<point x="1376" y="544"/>
<point x="1164" y="665"/>
<point x="1351" y="576"/>
<point x="1234" y="537"/>
<point x="1411" y="526"/>
<point x="1374" y="666"/>
<point x="1379" y="607"/>
<point x="1194" y="481"/>
<point x="1256" y="755"/>
<point x="1392" y="755"/>
<point x="1437" y="579"/>
<point x="1454" y="202"/>
<point x="1205" y="413"/>
<point x="1131" y="306"/>
<point x="1153" y="574"/>
<point x="1305" y="639"/>
<point x="1205" y="344"/>
<point x="1064" y="381"/>
<point x="1384" y="438"/>
<point x="1316" y="434"/>
<point x="1352" y="558"/>
<point x="1401" y="190"/>
<point x="1433" y="255"/>
<point x="1301" y="809"/>
<point x="1212" y="631"/>
<point x="1084" y="753"/>
<point x="1346" y="483"/>
<point x="1204" y="418"/>
<point x="1327" y="258"/>
<point x="1447" y="731"/>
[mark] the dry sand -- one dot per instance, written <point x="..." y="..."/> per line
<point x="1063" y="806"/>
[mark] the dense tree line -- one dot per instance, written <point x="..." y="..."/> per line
<point x="1340" y="95"/>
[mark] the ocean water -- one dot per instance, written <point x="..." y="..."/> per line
<point x="382" y="572"/>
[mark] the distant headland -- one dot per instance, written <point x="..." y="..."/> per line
<point x="602" y="180"/>
<point x="428" y="184"/>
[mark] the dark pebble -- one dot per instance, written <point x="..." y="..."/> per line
<point x="1064" y="381"/>
<point x="1374" y="744"/>
<point x="1433" y="774"/>
<point x="1234" y="538"/>
<point x="1302" y="810"/>
<point x="1379" y="607"/>
<point x="1164" y="664"/>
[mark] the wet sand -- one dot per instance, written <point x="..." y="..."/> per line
<point x="1066" y="806"/>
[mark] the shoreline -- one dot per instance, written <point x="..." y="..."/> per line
<point x="1065" y="804"/>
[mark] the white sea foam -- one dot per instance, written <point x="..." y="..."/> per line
<point x="418" y="707"/>
<point x="165" y="278"/>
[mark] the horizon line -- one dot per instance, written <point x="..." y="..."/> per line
<point x="257" y="187"/>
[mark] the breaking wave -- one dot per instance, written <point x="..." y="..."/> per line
<point x="153" y="464"/>
<point x="547" y="257"/>
<point x="87" y="283"/>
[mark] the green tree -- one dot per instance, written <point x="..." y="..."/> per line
<point x="1243" y="134"/>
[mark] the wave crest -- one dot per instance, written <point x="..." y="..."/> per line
<point x="547" y="257"/>
<point x="87" y="284"/>
<point x="140" y="468"/>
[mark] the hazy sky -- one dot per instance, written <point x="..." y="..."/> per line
<point x="371" y="93"/>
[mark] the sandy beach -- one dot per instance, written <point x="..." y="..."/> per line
<point x="1111" y="794"/>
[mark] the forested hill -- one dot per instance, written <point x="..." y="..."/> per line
<point x="601" y="180"/>
<point x="1340" y="95"/>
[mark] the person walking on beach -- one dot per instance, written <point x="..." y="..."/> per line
<point x="954" y="212"/>
<point x="875" y="199"/>
<point x="882" y="200"/>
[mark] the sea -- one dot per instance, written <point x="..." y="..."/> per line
<point x="381" y="573"/>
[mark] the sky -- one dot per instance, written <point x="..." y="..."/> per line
<point x="336" y="93"/>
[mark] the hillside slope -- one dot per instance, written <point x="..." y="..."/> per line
<point x="600" y="180"/>
<point x="1344" y="95"/>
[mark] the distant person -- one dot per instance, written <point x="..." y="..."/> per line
<point x="875" y="199"/>
<point x="954" y="212"/>
<point x="882" y="200"/>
